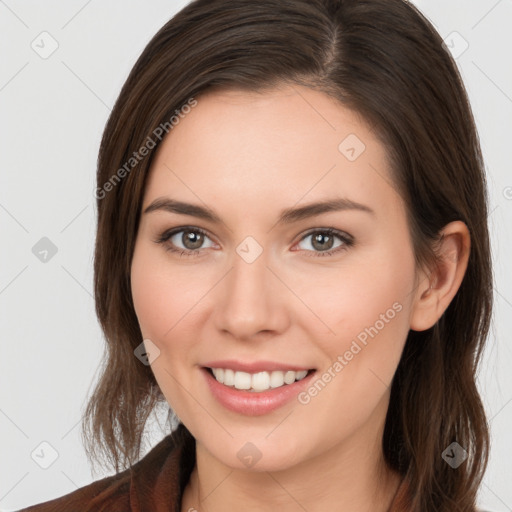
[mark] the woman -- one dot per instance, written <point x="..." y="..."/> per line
<point x="292" y="252"/>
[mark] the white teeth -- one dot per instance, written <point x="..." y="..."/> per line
<point x="229" y="377"/>
<point x="289" y="377"/>
<point x="219" y="374"/>
<point x="242" y="380"/>
<point x="261" y="381"/>
<point x="276" y="379"/>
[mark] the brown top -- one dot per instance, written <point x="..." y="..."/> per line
<point x="154" y="484"/>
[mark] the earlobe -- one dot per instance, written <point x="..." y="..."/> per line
<point x="437" y="290"/>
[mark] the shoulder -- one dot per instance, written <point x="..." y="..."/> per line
<point x="110" y="493"/>
<point x="159" y="477"/>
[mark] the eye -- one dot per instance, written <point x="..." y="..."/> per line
<point x="322" y="241"/>
<point x="187" y="240"/>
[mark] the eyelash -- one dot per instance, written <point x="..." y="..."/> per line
<point x="163" y="238"/>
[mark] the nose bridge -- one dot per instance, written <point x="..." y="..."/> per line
<point x="249" y="301"/>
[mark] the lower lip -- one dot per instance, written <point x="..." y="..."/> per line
<point x="252" y="403"/>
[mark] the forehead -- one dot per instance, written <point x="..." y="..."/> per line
<point x="277" y="147"/>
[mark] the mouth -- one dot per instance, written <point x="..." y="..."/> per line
<point x="257" y="387"/>
<point x="258" y="382"/>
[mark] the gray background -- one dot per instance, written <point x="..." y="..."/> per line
<point x="53" y="113"/>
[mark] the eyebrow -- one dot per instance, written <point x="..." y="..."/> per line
<point x="287" y="216"/>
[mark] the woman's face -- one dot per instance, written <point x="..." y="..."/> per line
<point x="249" y="280"/>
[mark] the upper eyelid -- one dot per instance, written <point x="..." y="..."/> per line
<point x="168" y="233"/>
<point x="334" y="231"/>
<point x="342" y="235"/>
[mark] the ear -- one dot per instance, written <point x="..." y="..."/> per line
<point x="436" y="291"/>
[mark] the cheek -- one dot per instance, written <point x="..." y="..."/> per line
<point x="162" y="299"/>
<point x="151" y="299"/>
<point x="366" y="308"/>
<point x="163" y="302"/>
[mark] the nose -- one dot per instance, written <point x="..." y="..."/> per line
<point x="251" y="301"/>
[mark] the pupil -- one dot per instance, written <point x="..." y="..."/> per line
<point x="192" y="240"/>
<point x="320" y="239"/>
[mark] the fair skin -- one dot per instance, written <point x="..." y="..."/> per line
<point x="247" y="157"/>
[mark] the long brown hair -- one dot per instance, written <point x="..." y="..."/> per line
<point x="383" y="59"/>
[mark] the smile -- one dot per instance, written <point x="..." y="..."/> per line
<point x="258" y="391"/>
<point x="257" y="382"/>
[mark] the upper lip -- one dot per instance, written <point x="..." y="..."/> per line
<point x="254" y="366"/>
